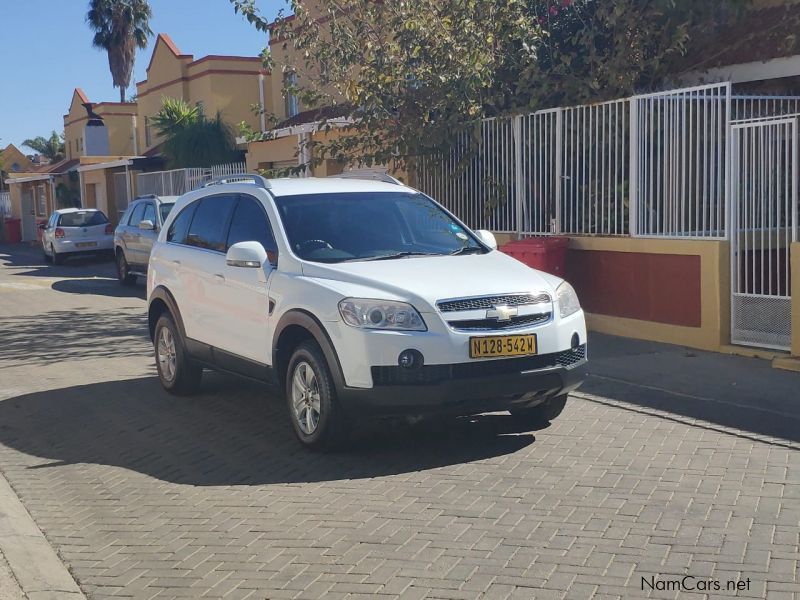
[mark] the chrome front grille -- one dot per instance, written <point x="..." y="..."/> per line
<point x="495" y="325"/>
<point x="486" y="302"/>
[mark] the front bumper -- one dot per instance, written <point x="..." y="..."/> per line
<point x="469" y="388"/>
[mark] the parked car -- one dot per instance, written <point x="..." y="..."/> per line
<point x="137" y="232"/>
<point x="357" y="298"/>
<point x="76" y="231"/>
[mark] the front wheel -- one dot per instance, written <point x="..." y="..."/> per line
<point x="178" y="374"/>
<point x="123" y="270"/>
<point x="314" y="411"/>
<point x="542" y="413"/>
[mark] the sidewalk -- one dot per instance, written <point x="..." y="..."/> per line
<point x="9" y="588"/>
<point x="730" y="391"/>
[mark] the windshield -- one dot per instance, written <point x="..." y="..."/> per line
<point x="370" y="226"/>
<point x="83" y="218"/>
<point x="165" y="209"/>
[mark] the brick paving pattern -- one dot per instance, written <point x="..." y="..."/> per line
<point x="144" y="495"/>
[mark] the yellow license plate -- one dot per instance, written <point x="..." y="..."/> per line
<point x="502" y="345"/>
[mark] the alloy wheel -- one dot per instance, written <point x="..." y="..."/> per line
<point x="166" y="354"/>
<point x="305" y="398"/>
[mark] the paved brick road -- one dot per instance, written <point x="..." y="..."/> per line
<point x="145" y="495"/>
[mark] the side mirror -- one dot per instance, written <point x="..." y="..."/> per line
<point x="487" y="237"/>
<point x="42" y="226"/>
<point x="147" y="225"/>
<point x="249" y="255"/>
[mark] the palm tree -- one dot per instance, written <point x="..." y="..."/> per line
<point x="51" y="148"/>
<point x="120" y="27"/>
<point x="191" y="139"/>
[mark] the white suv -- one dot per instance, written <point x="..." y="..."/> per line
<point x="357" y="297"/>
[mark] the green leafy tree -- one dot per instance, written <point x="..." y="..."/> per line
<point x="410" y="75"/>
<point x="120" y="27"/>
<point x="51" y="148"/>
<point x="414" y="76"/>
<point x="191" y="139"/>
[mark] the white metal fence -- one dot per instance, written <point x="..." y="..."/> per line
<point x="680" y="162"/>
<point x="181" y="181"/>
<point x="653" y="165"/>
<point x="5" y="204"/>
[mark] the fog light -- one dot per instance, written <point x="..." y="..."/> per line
<point x="410" y="359"/>
<point x="576" y="341"/>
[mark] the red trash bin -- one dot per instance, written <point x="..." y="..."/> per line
<point x="13" y="231"/>
<point x="548" y="254"/>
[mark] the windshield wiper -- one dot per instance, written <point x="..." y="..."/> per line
<point x="391" y="256"/>
<point x="467" y="250"/>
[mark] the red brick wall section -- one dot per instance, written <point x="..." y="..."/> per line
<point x="663" y="288"/>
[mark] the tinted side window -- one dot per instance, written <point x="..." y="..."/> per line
<point x="250" y="224"/>
<point x="210" y="223"/>
<point x="136" y="215"/>
<point x="180" y="226"/>
<point x="149" y="213"/>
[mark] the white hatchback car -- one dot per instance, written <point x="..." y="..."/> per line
<point x="357" y="297"/>
<point x="76" y="231"/>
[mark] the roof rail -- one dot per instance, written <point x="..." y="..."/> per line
<point x="370" y="175"/>
<point x="258" y="180"/>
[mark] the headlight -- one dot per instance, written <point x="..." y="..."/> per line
<point x="567" y="300"/>
<point x="380" y="314"/>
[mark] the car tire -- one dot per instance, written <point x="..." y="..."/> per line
<point x="542" y="413"/>
<point x="58" y="259"/>
<point x="178" y="374"/>
<point x="124" y="274"/>
<point x="314" y="410"/>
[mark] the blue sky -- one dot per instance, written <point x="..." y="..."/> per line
<point x="47" y="52"/>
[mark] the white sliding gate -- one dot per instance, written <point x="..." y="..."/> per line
<point x="764" y="223"/>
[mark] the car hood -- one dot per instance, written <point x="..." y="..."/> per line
<point x="425" y="280"/>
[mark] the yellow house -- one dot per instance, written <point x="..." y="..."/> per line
<point x="12" y="160"/>
<point x="119" y="120"/>
<point x="230" y="85"/>
<point x="37" y="193"/>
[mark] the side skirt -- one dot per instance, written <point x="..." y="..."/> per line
<point x="219" y="360"/>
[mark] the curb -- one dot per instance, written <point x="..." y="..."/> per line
<point x="32" y="560"/>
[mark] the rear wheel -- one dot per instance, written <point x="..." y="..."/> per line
<point x="542" y="413"/>
<point x="178" y="374"/>
<point x="314" y="411"/>
<point x="124" y="274"/>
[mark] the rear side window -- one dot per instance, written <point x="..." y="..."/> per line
<point x="180" y="225"/>
<point x="136" y="215"/>
<point x="250" y="224"/>
<point x="210" y="223"/>
<point x="83" y="219"/>
<point x="165" y="209"/>
<point x="149" y="213"/>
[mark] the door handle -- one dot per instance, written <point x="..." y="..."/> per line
<point x="219" y="278"/>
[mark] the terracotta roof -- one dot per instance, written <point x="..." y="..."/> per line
<point x="58" y="168"/>
<point x="315" y="114"/>
<point x="759" y="35"/>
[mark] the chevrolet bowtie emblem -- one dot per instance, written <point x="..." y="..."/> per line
<point x="502" y="313"/>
